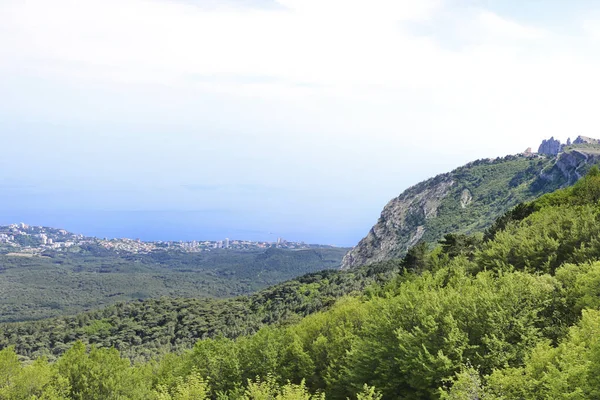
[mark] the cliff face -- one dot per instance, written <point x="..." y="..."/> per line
<point x="467" y="200"/>
<point x="402" y="222"/>
<point x="568" y="167"/>
<point x="550" y="147"/>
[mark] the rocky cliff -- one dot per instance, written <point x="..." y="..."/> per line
<point x="585" y="140"/>
<point x="468" y="199"/>
<point x="402" y="222"/>
<point x="568" y="167"/>
<point x="550" y="147"/>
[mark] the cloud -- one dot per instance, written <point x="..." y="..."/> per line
<point x="337" y="79"/>
<point x="507" y="29"/>
<point x="219" y="4"/>
<point x="592" y="28"/>
<point x="353" y="10"/>
<point x="330" y="47"/>
<point x="151" y="41"/>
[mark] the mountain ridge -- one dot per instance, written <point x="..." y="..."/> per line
<point x="469" y="198"/>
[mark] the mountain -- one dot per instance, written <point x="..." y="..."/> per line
<point x="469" y="198"/>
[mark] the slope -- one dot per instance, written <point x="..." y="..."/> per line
<point x="467" y="200"/>
<point x="63" y="283"/>
<point x="143" y="329"/>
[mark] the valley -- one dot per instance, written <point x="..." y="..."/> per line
<point x="87" y="277"/>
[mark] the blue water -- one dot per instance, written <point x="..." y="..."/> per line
<point x="179" y="225"/>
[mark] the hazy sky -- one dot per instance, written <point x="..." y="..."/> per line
<point x="181" y="119"/>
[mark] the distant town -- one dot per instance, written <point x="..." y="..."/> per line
<point x="23" y="239"/>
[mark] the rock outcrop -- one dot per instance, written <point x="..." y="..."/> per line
<point x="550" y="147"/>
<point x="568" y="168"/>
<point x="402" y="223"/>
<point x="586" y="140"/>
<point x="465" y="198"/>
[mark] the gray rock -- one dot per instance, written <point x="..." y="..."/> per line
<point x="465" y="198"/>
<point x="402" y="223"/>
<point x="586" y="140"/>
<point x="550" y="147"/>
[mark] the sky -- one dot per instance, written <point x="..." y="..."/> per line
<point x="258" y="119"/>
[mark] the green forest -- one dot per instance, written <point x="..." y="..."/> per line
<point x="66" y="283"/>
<point x="513" y="313"/>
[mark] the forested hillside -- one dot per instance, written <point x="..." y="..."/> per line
<point x="468" y="200"/>
<point x="143" y="329"/>
<point x="64" y="283"/>
<point x="512" y="314"/>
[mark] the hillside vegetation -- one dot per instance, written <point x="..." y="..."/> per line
<point x="143" y="329"/>
<point x="512" y="314"/>
<point x="62" y="283"/>
<point x="467" y="200"/>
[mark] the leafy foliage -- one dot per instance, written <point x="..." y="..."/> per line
<point x="144" y="329"/>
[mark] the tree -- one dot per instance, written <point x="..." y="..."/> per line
<point x="455" y="245"/>
<point x="416" y="258"/>
<point x="268" y="389"/>
<point x="193" y="387"/>
<point x="100" y="374"/>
